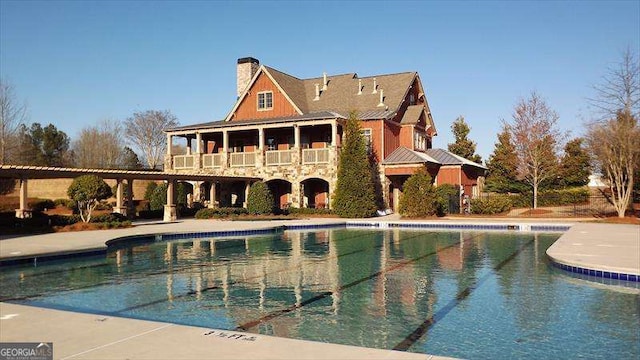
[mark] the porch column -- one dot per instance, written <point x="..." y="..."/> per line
<point x="168" y="161"/>
<point x="261" y="138"/>
<point x="334" y="133"/>
<point x="296" y="136"/>
<point x="120" y="209"/>
<point x="396" y="199"/>
<point x="295" y="194"/>
<point x="198" y="156"/>
<point x="170" y="208"/>
<point x="23" y="212"/>
<point x="247" y="186"/>
<point x="212" y="195"/>
<point x="260" y="156"/>
<point x="131" y="207"/>
<point x="225" y="149"/>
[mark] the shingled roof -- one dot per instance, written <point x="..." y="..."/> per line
<point x="403" y="155"/>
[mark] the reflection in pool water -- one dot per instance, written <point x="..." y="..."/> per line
<point x="461" y="294"/>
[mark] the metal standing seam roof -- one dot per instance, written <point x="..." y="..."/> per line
<point x="448" y="158"/>
<point x="403" y="155"/>
<point x="222" y="124"/>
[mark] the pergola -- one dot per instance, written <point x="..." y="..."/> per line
<point x="23" y="173"/>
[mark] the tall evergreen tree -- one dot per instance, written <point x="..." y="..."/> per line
<point x="46" y="146"/>
<point x="463" y="146"/>
<point x="355" y="192"/>
<point x="502" y="165"/>
<point x="575" y="165"/>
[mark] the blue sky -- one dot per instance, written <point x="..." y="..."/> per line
<point x="78" y="62"/>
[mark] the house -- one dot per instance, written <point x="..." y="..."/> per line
<point x="287" y="132"/>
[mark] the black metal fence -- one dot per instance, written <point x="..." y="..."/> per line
<point x="592" y="205"/>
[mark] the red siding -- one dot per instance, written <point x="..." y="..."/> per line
<point x="248" y="108"/>
<point x="391" y="138"/>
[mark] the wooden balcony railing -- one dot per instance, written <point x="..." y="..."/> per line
<point x="279" y="157"/>
<point x="243" y="159"/>
<point x="211" y="161"/>
<point x="181" y="162"/>
<point x="315" y="156"/>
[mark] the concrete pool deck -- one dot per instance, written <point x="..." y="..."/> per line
<point x="89" y="336"/>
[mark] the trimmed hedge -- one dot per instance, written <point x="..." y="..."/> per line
<point x="220" y="212"/>
<point x="495" y="204"/>
<point x="151" y="214"/>
<point x="560" y="197"/>
<point x="108" y="218"/>
<point x="260" y="199"/>
<point x="41" y="204"/>
<point x="309" y="211"/>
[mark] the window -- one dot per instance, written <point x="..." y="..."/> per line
<point x="265" y="100"/>
<point x="367" y="138"/>
<point x="412" y="99"/>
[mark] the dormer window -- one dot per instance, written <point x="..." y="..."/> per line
<point x="265" y="100"/>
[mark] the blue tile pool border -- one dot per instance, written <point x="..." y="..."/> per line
<point x="599" y="274"/>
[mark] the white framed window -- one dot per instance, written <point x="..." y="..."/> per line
<point x="265" y="100"/>
<point x="366" y="133"/>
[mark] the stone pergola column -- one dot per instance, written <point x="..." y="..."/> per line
<point x="212" y="195"/>
<point x="247" y="186"/>
<point x="170" y="209"/>
<point x="23" y="212"/>
<point x="119" y="208"/>
<point x="131" y="207"/>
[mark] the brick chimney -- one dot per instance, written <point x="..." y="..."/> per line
<point x="247" y="67"/>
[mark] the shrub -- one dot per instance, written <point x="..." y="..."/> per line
<point x="260" y="199"/>
<point x="309" y="211"/>
<point x="494" y="204"/>
<point x="220" y="212"/>
<point x="158" y="198"/>
<point x="560" y="197"/>
<point x="148" y="192"/>
<point x="151" y="214"/>
<point x="64" y="220"/>
<point x="68" y="203"/>
<point x="444" y="193"/>
<point x="41" y="204"/>
<point x="109" y="218"/>
<point x="87" y="191"/>
<point x="419" y="198"/>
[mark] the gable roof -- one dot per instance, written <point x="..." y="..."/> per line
<point x="341" y="95"/>
<point x="288" y="81"/>
<point x="412" y="115"/>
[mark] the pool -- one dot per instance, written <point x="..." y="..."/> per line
<point x="465" y="294"/>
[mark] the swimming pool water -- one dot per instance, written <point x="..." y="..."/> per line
<point x="462" y="294"/>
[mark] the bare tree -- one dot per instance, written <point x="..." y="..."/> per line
<point x="615" y="145"/>
<point x="12" y="114"/>
<point x="100" y="146"/>
<point x="536" y="140"/>
<point x="620" y="89"/>
<point x="146" y="132"/>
